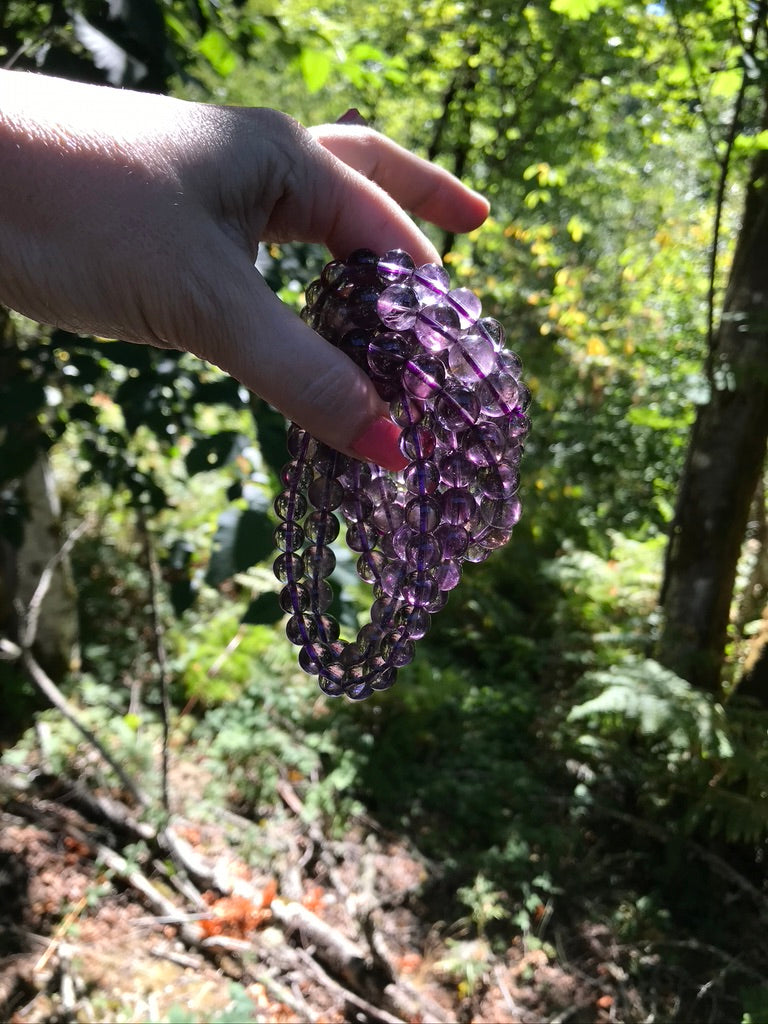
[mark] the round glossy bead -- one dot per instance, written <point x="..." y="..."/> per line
<point x="296" y="475"/>
<point x="385" y="676"/>
<point x="387" y="354"/>
<point x="417" y="442"/>
<point x="383" y="610"/>
<point x="310" y="658"/>
<point x="421" y="477"/>
<point x="437" y="327"/>
<point x="423" y="376"/>
<point x="289" y="536"/>
<point x="437" y="603"/>
<point x="325" y="494"/>
<point x="420" y="589"/>
<point x="504" y="513"/>
<point x="458" y="506"/>
<point x="355" y="344"/>
<point x="511" y="362"/>
<point x="415" y="621"/>
<point x="456" y="470"/>
<point x="423" y="513"/>
<point x="498" y="481"/>
<point x="296" y="440"/>
<point x="484" y="443"/>
<point x="357" y="505"/>
<point x="294" y="598"/>
<point x="359" y="537"/>
<point x="457" y="408"/>
<point x="448" y="575"/>
<point x="321" y="527"/>
<point x="362" y="306"/>
<point x="301" y="629"/>
<point x="320" y="595"/>
<point x="405" y="411"/>
<point x="395" y="265"/>
<point x="424" y="551"/>
<point x="370" y="565"/>
<point x="430" y="282"/>
<point x="397" y="307"/>
<point x="319" y="561"/>
<point x="398" y="650"/>
<point x="327" y="628"/>
<point x="289" y="505"/>
<point x="476" y="553"/>
<point x="289" y="567"/>
<point x="473" y="357"/>
<point x="466" y="304"/>
<point x="331" y="682"/>
<point x="387" y="517"/>
<point x="453" y="540"/>
<point x="393" y="576"/>
<point x="358" y="691"/>
<point x="498" y="394"/>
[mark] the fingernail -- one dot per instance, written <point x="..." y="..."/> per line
<point x="352" y="116"/>
<point x="379" y="443"/>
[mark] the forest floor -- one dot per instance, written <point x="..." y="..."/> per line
<point x="106" y="918"/>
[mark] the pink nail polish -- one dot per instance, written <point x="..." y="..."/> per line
<point x="379" y="443"/>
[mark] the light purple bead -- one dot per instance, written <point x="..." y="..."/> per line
<point x="397" y="307"/>
<point x="473" y="357"/>
<point x="395" y="265"/>
<point x="466" y="304"/>
<point x="430" y="282"/>
<point x="437" y="327"/>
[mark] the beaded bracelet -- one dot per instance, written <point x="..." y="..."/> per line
<point x="457" y="395"/>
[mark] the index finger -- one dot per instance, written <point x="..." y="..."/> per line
<point x="420" y="187"/>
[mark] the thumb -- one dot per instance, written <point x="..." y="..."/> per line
<point x="312" y="383"/>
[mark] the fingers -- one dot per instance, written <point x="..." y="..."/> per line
<point x="273" y="353"/>
<point x="422" y="188"/>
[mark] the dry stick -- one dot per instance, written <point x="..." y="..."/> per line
<point x="153" y="574"/>
<point x="330" y="983"/>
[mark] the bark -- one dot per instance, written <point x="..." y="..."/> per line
<point x="724" y="462"/>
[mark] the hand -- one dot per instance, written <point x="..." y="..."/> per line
<point x="138" y="217"/>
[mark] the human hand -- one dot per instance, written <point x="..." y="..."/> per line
<point x="138" y="217"/>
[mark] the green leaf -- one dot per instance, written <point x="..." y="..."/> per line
<point x="213" y="452"/>
<point x="576" y="10"/>
<point x="315" y="67"/>
<point x="214" y="46"/>
<point x="243" y="537"/>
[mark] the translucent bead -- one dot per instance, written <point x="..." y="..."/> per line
<point x="511" y="362"/>
<point x="320" y="595"/>
<point x="289" y="505"/>
<point x="424" y="551"/>
<point x="437" y="603"/>
<point x="355" y="474"/>
<point x="321" y="527"/>
<point x="503" y="514"/>
<point x="296" y="440"/>
<point x="358" y="691"/>
<point x="423" y="513"/>
<point x="331" y="681"/>
<point x="320" y="561"/>
<point x="387" y="354"/>
<point x="484" y="443"/>
<point x="458" y="506"/>
<point x="405" y="411"/>
<point x="401" y="536"/>
<point x="453" y="540"/>
<point x="289" y="567"/>
<point x="430" y="282"/>
<point x="294" y="598"/>
<point x="395" y="265"/>
<point x="523" y="397"/>
<point x="355" y="344"/>
<point x="437" y="327"/>
<point x="397" y="307"/>
<point x="517" y="425"/>
<point x="327" y="628"/>
<point x="415" y="621"/>
<point x="333" y="272"/>
<point x="383" y="610"/>
<point x="420" y="589"/>
<point x="289" y="536"/>
<point x="492" y="330"/>
<point x="363" y="306"/>
<point x="423" y="376"/>
<point x="387" y="517"/>
<point x="417" y="442"/>
<point x="310" y="658"/>
<point x="398" y="650"/>
<point x="457" y="408"/>
<point x="385" y="677"/>
<point x="498" y="481"/>
<point x="476" y="553"/>
<point x="493" y="538"/>
<point x="473" y="357"/>
<point x="393" y="576"/>
<point x="363" y="258"/>
<point x="325" y="494"/>
<point x="381" y="489"/>
<point x="498" y="394"/>
<point x="448" y="575"/>
<point x="296" y="474"/>
<point x="357" y="505"/>
<point x="354" y="654"/>
<point x="466" y="304"/>
<point x="456" y="470"/>
<point x="369" y="639"/>
<point x="370" y="565"/>
<point x="301" y="629"/>
<point x="358" y="537"/>
<point x="421" y="477"/>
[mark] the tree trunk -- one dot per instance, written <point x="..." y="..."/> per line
<point x="724" y="462"/>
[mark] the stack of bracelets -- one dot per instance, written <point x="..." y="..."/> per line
<point x="457" y="395"/>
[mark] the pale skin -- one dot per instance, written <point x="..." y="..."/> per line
<point x="133" y="216"/>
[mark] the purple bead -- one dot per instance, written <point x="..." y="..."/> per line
<point x="370" y="565"/>
<point x="289" y="505"/>
<point x="319" y="561"/>
<point x="503" y="514"/>
<point x="321" y="527"/>
<point x="301" y="629"/>
<point x="398" y="650"/>
<point x="357" y="505"/>
<point x="294" y="598"/>
<point x="417" y="442"/>
<point x="458" y="506"/>
<point x="456" y="470"/>
<point x="493" y="331"/>
<point x="397" y="307"/>
<point x="421" y="477"/>
<point x="288" y="536"/>
<point x="457" y="408"/>
<point x="423" y="551"/>
<point x="430" y="282"/>
<point x="423" y="513"/>
<point x="448" y="575"/>
<point x="395" y="265"/>
<point x="387" y="354"/>
<point x="423" y="376"/>
<point x="359" y="537"/>
<point x="498" y="394"/>
<point x="498" y="481"/>
<point x="453" y="540"/>
<point x="405" y="411"/>
<point x="289" y="567"/>
<point x="473" y="357"/>
<point x="466" y="304"/>
<point x="320" y="595"/>
<point x="327" y="628"/>
<point x="437" y="328"/>
<point x="393" y="576"/>
<point x="296" y="474"/>
<point x="325" y="494"/>
<point x="385" y="677"/>
<point x="420" y="589"/>
<point x="387" y="517"/>
<point x="415" y="621"/>
<point x="484" y="443"/>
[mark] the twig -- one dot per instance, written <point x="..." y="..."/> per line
<point x="350" y="997"/>
<point x="59" y="934"/>
<point x="54" y="696"/>
<point x="153" y="576"/>
<point x="30" y="616"/>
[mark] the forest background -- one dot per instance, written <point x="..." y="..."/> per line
<point x="577" y="757"/>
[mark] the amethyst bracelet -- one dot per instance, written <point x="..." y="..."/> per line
<point x="457" y="395"/>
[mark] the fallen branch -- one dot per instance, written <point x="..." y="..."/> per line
<point x="371" y="1011"/>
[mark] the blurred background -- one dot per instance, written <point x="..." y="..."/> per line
<point x="560" y="811"/>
